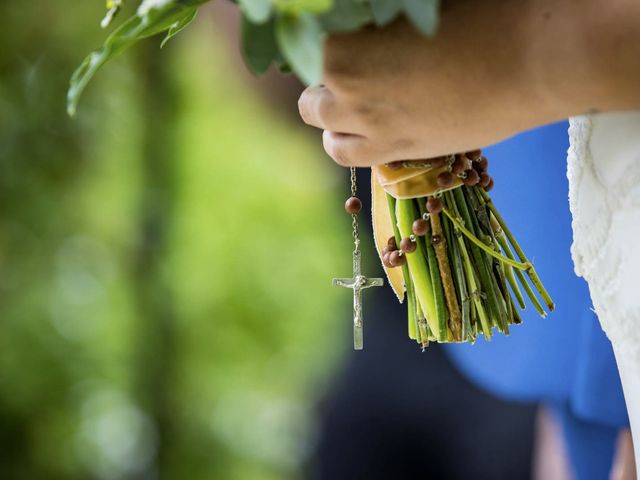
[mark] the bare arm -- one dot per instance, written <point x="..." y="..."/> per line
<point x="495" y="68"/>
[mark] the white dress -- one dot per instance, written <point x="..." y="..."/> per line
<point x="604" y="196"/>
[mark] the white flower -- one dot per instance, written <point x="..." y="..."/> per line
<point x="147" y="5"/>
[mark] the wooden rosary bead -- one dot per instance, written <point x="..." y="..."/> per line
<point x="459" y="165"/>
<point x="353" y="205"/>
<point x="473" y="154"/>
<point x="444" y="179"/>
<point x="420" y="227"/>
<point x="396" y="259"/>
<point x="385" y="260"/>
<point x="472" y="178"/>
<point x="407" y="245"/>
<point x="437" y="162"/>
<point x="434" y="205"/>
<point x="483" y="163"/>
<point x="489" y="185"/>
<point x="485" y="178"/>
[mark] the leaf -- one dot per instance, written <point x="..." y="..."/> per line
<point x="256" y="11"/>
<point x="423" y="14"/>
<point x="296" y="7"/>
<point x="345" y="16"/>
<point x="258" y="46"/>
<point x="384" y="11"/>
<point x="300" y="41"/>
<point x="152" y="17"/>
<point x="180" y="25"/>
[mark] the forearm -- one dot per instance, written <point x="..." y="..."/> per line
<point x="546" y="60"/>
<point x="495" y="68"/>
<point x="583" y="56"/>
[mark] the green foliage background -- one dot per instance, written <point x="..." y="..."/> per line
<point x="165" y="304"/>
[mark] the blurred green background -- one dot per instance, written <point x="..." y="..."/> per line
<point x="165" y="261"/>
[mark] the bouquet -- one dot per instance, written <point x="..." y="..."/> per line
<point x="441" y="240"/>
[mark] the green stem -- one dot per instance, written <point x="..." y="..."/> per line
<point x="412" y="318"/>
<point x="478" y="259"/>
<point x="408" y="284"/>
<point x="418" y="269"/>
<point x="471" y="278"/>
<point x="460" y="283"/>
<point x="493" y="288"/>
<point x="502" y="240"/>
<point x="511" y="262"/>
<point x="439" y="244"/>
<point x="423" y="327"/>
<point x="436" y="282"/>
<point x="530" y="271"/>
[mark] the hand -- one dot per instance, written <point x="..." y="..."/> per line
<point x="495" y="68"/>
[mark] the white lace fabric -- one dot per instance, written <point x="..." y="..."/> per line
<point x="604" y="195"/>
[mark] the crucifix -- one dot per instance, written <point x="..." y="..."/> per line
<point x="358" y="282"/>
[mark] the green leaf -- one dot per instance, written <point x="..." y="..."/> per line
<point x="152" y="17"/>
<point x="256" y="11"/>
<point x="180" y="25"/>
<point x="296" y="7"/>
<point x="300" y="41"/>
<point x="258" y="46"/>
<point x="423" y="14"/>
<point x="384" y="11"/>
<point x="345" y="16"/>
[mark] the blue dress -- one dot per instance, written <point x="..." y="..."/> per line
<point x="565" y="360"/>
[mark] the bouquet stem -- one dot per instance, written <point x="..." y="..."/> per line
<point x="460" y="277"/>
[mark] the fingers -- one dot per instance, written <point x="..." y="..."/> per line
<point x="358" y="151"/>
<point x="318" y="107"/>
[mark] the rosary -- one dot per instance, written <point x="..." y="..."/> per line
<point x="358" y="282"/>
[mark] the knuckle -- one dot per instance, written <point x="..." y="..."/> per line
<point x="303" y="106"/>
<point x="342" y="79"/>
<point x="323" y="111"/>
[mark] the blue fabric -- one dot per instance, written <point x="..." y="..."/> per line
<point x="564" y="360"/>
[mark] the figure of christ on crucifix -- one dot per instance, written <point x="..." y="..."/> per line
<point x="358" y="283"/>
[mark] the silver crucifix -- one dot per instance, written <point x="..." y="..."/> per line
<point x="358" y="283"/>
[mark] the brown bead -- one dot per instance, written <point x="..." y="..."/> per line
<point x="434" y="205"/>
<point x="353" y="205"/>
<point x="489" y="186"/>
<point x="472" y="178"/>
<point x="386" y="250"/>
<point x="437" y="162"/>
<point x="391" y="243"/>
<point x="444" y="179"/>
<point x="459" y="165"/>
<point x="385" y="260"/>
<point x="395" y="165"/>
<point x="396" y="259"/>
<point x="407" y="245"/>
<point x="420" y="227"/>
<point x="485" y="178"/>
<point x="473" y="154"/>
<point x="483" y="163"/>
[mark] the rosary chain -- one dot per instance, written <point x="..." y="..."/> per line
<point x="354" y="216"/>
